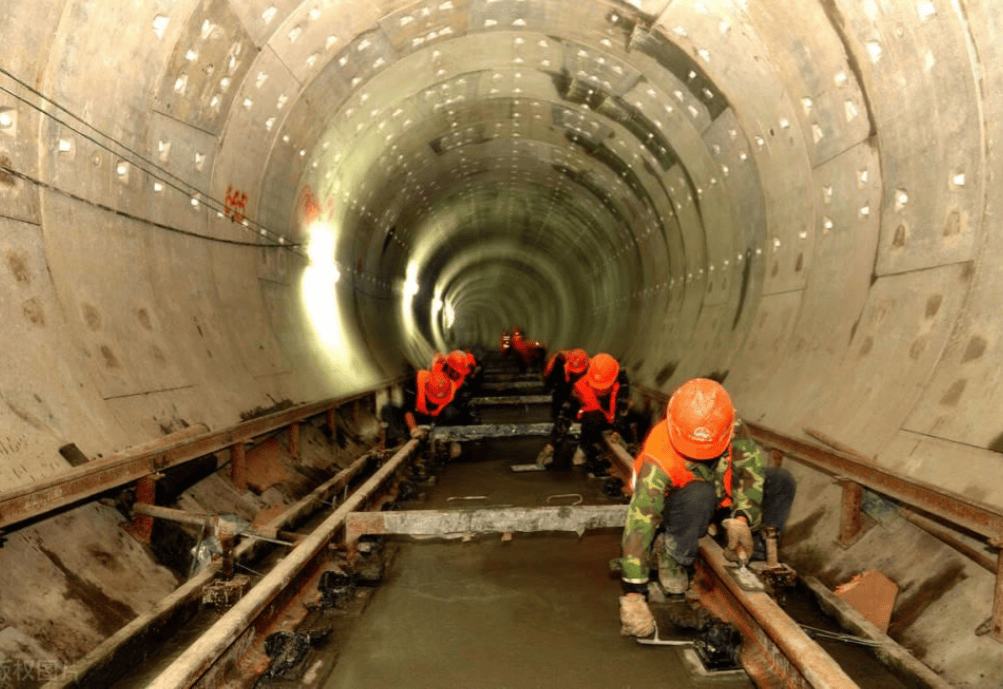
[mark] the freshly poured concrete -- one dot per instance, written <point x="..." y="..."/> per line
<point x="539" y="611"/>
<point x="799" y="198"/>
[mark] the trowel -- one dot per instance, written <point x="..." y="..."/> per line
<point x="744" y="577"/>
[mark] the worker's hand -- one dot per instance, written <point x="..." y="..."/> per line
<point x="417" y="432"/>
<point x="614" y="438"/>
<point x="739" y="539"/>
<point x="635" y="617"/>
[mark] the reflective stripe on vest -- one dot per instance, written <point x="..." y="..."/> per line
<point x="659" y="450"/>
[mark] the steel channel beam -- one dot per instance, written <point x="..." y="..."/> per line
<point x="788" y="652"/>
<point x="955" y="508"/>
<point x="578" y="518"/>
<point x="503" y="430"/>
<point x="98" y="667"/>
<point x="118" y="470"/>
<point x="200" y="656"/>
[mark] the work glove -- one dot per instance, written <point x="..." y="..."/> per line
<point x="418" y="432"/>
<point x="739" y="540"/>
<point x="635" y="617"/>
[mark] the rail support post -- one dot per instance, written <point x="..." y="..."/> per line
<point x="332" y="423"/>
<point x="294" y="440"/>
<point x="996" y="628"/>
<point x="238" y="466"/>
<point x="851" y="526"/>
<point x="141" y="526"/>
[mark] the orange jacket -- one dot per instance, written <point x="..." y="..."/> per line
<point x="659" y="450"/>
<point x="590" y="401"/>
<point x="421" y="405"/>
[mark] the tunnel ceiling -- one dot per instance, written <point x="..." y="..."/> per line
<point x="513" y="162"/>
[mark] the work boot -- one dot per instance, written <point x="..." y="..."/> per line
<point x="579" y="459"/>
<point x="672" y="575"/>
<point x="546" y="456"/>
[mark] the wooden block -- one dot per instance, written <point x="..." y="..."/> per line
<point x="872" y="594"/>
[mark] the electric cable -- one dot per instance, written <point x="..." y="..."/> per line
<point x="131" y="216"/>
<point x="190" y="189"/>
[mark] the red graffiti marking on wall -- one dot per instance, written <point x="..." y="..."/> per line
<point x="311" y="205"/>
<point x="236" y="204"/>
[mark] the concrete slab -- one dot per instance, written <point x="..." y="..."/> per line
<point x="539" y="610"/>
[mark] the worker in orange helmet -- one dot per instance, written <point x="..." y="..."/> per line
<point x="604" y="393"/>
<point x="696" y="466"/>
<point x="559" y="377"/>
<point x="599" y="400"/>
<point x="527" y="353"/>
<point x="431" y="397"/>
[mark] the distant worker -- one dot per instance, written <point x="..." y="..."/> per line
<point x="599" y="400"/>
<point x="696" y="465"/>
<point x="559" y="377"/>
<point x="527" y="353"/>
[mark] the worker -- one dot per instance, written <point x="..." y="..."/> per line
<point x="429" y="398"/>
<point x="604" y="392"/>
<point x="559" y="377"/>
<point x="527" y="353"/>
<point x="697" y="465"/>
<point x="599" y="400"/>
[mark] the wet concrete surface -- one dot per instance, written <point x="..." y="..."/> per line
<point x="538" y="611"/>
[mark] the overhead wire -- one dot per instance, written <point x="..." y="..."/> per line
<point x="162" y="174"/>
<point x="131" y="216"/>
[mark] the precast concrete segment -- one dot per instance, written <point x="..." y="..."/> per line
<point x="199" y="658"/>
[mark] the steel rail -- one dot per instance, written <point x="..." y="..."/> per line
<point x="98" y="476"/>
<point x="199" y="658"/>
<point x="958" y="509"/>
<point x="784" y="649"/>
<point x="99" y="666"/>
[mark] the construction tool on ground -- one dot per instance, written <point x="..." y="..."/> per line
<point x="744" y="577"/>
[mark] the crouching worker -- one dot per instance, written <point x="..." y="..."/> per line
<point x="559" y="377"/>
<point x="429" y="399"/>
<point x="697" y="464"/>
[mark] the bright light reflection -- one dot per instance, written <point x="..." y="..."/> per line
<point x="319" y="297"/>
<point x="449" y="314"/>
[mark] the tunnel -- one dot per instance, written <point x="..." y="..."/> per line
<point x="212" y="206"/>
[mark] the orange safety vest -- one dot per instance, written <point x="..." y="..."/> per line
<point x="422" y="403"/>
<point x="590" y="401"/>
<point x="659" y="450"/>
<point x="553" y="362"/>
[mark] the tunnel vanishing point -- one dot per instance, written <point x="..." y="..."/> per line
<point x="208" y="206"/>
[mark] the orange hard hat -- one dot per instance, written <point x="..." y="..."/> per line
<point x="700" y="418"/>
<point x="437" y="387"/>
<point x="576" y="361"/>
<point x="603" y="371"/>
<point x="457" y="360"/>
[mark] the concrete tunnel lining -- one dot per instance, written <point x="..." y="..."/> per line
<point x="812" y="216"/>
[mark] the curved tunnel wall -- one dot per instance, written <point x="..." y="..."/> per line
<point x="799" y="197"/>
